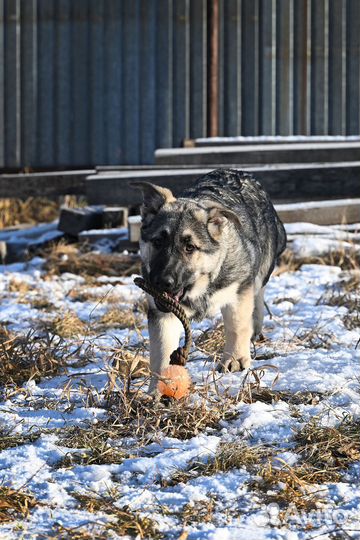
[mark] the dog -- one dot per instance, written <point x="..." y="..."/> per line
<point x="213" y="248"/>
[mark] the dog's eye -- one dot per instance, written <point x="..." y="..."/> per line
<point x="190" y="248"/>
<point x="157" y="243"/>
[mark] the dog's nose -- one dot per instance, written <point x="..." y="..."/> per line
<point x="165" y="283"/>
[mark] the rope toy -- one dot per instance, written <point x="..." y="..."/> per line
<point x="174" y="380"/>
<point x="180" y="355"/>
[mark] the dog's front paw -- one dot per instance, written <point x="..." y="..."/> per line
<point x="232" y="364"/>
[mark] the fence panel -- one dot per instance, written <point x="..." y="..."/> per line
<point x="92" y="82"/>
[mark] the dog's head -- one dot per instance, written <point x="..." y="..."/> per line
<point x="181" y="241"/>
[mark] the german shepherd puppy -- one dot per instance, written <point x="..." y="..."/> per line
<point x="213" y="248"/>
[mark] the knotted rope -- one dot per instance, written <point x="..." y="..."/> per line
<point x="180" y="355"/>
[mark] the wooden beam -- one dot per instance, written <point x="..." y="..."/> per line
<point x="50" y="185"/>
<point x="259" y="154"/>
<point x="289" y="182"/>
<point x="321" y="212"/>
<point x="269" y="139"/>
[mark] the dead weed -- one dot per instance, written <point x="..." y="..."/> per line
<point x="124" y="521"/>
<point x="327" y="451"/>
<point x="15" y="504"/>
<point x="67" y="325"/>
<point x="95" y="445"/>
<point x="117" y="317"/>
<point x="24" y="357"/>
<point x="228" y="456"/>
<point x="346" y="294"/>
<point x="346" y="259"/>
<point x="11" y="440"/>
<point x="34" y="210"/>
<point x="69" y="258"/>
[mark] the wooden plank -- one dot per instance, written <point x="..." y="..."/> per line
<point x="109" y="169"/>
<point x="50" y="185"/>
<point x="321" y="212"/>
<point x="268" y="139"/>
<point x="257" y="154"/>
<point x="291" y="182"/>
<point x="117" y="189"/>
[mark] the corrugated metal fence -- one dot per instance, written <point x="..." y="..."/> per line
<point x="87" y="82"/>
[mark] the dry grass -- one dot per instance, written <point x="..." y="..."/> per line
<point x="228" y="456"/>
<point x="117" y="317"/>
<point x="345" y="259"/>
<point x="327" y="451"/>
<point x="78" y="533"/>
<point x="127" y="365"/>
<point x="42" y="303"/>
<point x="5" y="334"/>
<point x="68" y="258"/>
<point x="123" y="522"/>
<point x="252" y="390"/>
<point x="212" y="340"/>
<point x="67" y="325"/>
<point x="30" y="357"/>
<point x="14" y="504"/>
<point x="200" y="512"/>
<point x="17" y="285"/>
<point x="268" y="395"/>
<point x="27" y="295"/>
<point x="89" y="293"/>
<point x="346" y="293"/>
<point x="286" y="486"/>
<point x="352" y="320"/>
<point x="33" y="210"/>
<point x="313" y="338"/>
<point x="85" y="294"/>
<point x="136" y="415"/>
<point x="10" y="440"/>
<point x="94" y="444"/>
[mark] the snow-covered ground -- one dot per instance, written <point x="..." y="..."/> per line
<point x="310" y="362"/>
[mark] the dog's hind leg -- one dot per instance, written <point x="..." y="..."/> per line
<point x="258" y="316"/>
<point x="238" y="325"/>
<point x="164" y="333"/>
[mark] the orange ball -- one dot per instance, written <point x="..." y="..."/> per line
<point x="174" y="382"/>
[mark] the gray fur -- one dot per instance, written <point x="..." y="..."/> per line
<point x="230" y="221"/>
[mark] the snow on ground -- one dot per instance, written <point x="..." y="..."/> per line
<point x="309" y="351"/>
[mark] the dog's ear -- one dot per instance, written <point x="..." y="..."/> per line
<point x="154" y="197"/>
<point x="218" y="218"/>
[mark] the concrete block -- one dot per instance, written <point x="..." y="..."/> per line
<point x="74" y="220"/>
